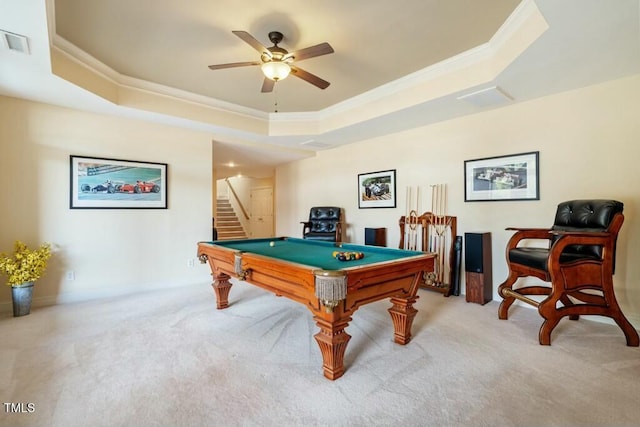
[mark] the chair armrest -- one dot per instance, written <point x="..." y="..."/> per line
<point x="604" y="239"/>
<point x="530" y="230"/>
<point x="527" y="233"/>
<point x="306" y="226"/>
<point x="581" y="233"/>
<point x="568" y="238"/>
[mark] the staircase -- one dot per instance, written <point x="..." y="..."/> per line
<point x="227" y="223"/>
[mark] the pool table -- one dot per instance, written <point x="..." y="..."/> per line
<point x="307" y="271"/>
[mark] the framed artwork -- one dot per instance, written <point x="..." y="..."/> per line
<point x="377" y="189"/>
<point x="512" y="177"/>
<point x="98" y="183"/>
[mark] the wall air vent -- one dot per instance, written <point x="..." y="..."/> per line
<point x="14" y="42"/>
<point x="488" y="97"/>
<point x="314" y="144"/>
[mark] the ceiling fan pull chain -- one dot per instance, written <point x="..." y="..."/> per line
<point x="275" y="94"/>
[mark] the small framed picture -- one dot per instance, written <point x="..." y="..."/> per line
<point x="377" y="189"/>
<point x="511" y="177"/>
<point x="98" y="183"/>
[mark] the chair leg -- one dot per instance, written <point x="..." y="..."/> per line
<point x="544" y="335"/>
<point x="567" y="303"/>
<point x="550" y="314"/>
<point x="552" y="319"/>
<point x="503" y="310"/>
<point x="630" y="333"/>
<point x="609" y="308"/>
<point x="614" y="311"/>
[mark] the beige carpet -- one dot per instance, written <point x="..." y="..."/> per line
<point x="169" y="358"/>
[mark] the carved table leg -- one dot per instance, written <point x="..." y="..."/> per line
<point x="222" y="286"/>
<point x="402" y="314"/>
<point x="332" y="340"/>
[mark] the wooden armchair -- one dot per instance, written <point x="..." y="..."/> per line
<point x="325" y="223"/>
<point x="579" y="264"/>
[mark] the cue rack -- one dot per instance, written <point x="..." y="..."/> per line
<point x="435" y="232"/>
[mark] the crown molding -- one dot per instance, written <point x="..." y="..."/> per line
<point x="478" y="66"/>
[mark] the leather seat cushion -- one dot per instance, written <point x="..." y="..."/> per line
<point x="537" y="257"/>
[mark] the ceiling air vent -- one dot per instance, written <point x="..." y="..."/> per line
<point x="14" y="42"/>
<point x="315" y="144"/>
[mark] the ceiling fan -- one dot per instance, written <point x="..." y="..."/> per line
<point x="277" y="62"/>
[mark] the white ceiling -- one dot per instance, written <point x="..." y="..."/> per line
<point x="396" y="65"/>
<point x="375" y="42"/>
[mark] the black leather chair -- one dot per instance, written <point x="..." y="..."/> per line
<point x="325" y="223"/>
<point x="578" y="262"/>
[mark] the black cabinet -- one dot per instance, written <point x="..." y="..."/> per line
<point x="375" y="236"/>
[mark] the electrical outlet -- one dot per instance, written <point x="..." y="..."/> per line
<point x="190" y="262"/>
<point x="71" y="275"/>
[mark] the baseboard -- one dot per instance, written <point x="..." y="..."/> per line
<point x="94" y="294"/>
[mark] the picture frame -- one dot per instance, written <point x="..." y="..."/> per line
<point x="502" y="178"/>
<point x="102" y="183"/>
<point x="377" y="189"/>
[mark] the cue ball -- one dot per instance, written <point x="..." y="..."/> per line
<point x="272" y="244"/>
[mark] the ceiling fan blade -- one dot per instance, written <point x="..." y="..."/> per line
<point x="310" y="52"/>
<point x="307" y="76"/>
<point x="249" y="39"/>
<point x="267" y="85"/>
<point x="234" y="64"/>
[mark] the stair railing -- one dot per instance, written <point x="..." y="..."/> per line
<point x="237" y="207"/>
<point x="237" y="199"/>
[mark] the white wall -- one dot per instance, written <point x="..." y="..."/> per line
<point x="589" y="144"/>
<point x="110" y="251"/>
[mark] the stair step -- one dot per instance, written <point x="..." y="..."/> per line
<point x="227" y="223"/>
<point x="231" y="227"/>
<point x="232" y="236"/>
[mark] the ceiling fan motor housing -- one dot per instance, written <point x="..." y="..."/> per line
<point x="275" y="37"/>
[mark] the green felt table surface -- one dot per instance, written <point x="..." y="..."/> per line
<point x="315" y="253"/>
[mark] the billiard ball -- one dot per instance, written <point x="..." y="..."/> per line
<point x="272" y="243"/>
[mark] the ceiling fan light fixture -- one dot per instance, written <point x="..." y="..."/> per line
<point x="276" y="70"/>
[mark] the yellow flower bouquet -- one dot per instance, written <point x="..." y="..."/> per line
<point x="24" y="265"/>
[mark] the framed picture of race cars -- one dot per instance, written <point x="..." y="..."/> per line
<point x="98" y="183"/>
<point x="510" y="177"/>
<point x="377" y="189"/>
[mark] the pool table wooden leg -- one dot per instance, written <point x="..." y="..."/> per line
<point x="221" y="286"/>
<point x="402" y="314"/>
<point x="332" y="340"/>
